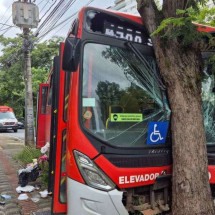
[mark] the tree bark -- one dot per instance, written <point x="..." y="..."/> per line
<point x="180" y="69"/>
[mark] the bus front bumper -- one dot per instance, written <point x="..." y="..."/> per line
<point x="86" y="200"/>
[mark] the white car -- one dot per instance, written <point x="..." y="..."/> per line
<point x="8" y="121"/>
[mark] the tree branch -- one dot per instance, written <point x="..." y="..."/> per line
<point x="149" y="13"/>
<point x="170" y="7"/>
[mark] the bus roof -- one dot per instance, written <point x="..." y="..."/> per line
<point x="204" y="28"/>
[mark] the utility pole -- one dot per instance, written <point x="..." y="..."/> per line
<point x="26" y="16"/>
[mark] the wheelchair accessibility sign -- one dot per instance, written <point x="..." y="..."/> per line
<point x="157" y="132"/>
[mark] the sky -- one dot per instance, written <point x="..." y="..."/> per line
<point x="44" y="5"/>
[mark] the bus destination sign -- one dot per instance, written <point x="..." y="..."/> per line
<point x="123" y="32"/>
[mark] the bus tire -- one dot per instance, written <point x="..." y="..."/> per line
<point x="15" y="130"/>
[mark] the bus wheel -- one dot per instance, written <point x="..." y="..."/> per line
<point x="15" y="130"/>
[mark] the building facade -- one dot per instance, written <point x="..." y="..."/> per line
<point x="129" y="6"/>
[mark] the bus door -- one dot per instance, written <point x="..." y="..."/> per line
<point x="41" y="115"/>
<point x="57" y="170"/>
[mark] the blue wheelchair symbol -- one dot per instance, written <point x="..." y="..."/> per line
<point x="157" y="132"/>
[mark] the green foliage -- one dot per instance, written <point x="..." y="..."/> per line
<point x="27" y="154"/>
<point x="182" y="26"/>
<point x="12" y="85"/>
<point x="44" y="177"/>
<point x="206" y="15"/>
<point x="43" y="53"/>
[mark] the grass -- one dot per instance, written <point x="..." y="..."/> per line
<point x="27" y="154"/>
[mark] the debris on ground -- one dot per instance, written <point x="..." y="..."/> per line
<point x="44" y="193"/>
<point x="23" y="196"/>
<point x="5" y="196"/>
<point x="35" y="198"/>
<point x="26" y="189"/>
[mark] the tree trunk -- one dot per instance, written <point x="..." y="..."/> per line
<point x="190" y="191"/>
<point x="180" y="69"/>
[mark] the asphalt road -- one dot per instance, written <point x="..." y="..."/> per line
<point x="20" y="134"/>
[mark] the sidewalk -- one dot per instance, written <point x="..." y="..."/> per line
<point x="9" y="147"/>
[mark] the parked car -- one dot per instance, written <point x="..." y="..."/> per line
<point x="21" y="123"/>
<point x="8" y="119"/>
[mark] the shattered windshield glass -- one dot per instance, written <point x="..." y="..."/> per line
<point x="120" y="95"/>
<point x="208" y="99"/>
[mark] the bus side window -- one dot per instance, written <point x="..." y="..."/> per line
<point x="44" y="99"/>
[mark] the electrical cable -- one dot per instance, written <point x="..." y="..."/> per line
<point x="5" y="12"/>
<point x="48" y="10"/>
<point x="48" y="17"/>
<point x="8" y="25"/>
<point x="62" y="22"/>
<point x="65" y="20"/>
<point x="39" y="2"/>
<point x="44" y="7"/>
<point x="54" y="16"/>
<point x="6" y="30"/>
<point x="58" y="17"/>
<point x="6" y="21"/>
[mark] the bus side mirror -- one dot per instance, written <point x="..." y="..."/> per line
<point x="71" y="55"/>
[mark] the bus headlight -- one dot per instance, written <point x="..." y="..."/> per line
<point x="92" y="174"/>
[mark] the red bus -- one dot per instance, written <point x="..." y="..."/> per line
<point x="104" y="111"/>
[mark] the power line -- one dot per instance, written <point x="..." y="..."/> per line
<point x="58" y="16"/>
<point x="53" y="23"/>
<point x="8" y="25"/>
<point x="48" y="17"/>
<point x="48" y="9"/>
<point x="5" y="12"/>
<point x="65" y="21"/>
<point x="6" y="30"/>
<point x="39" y="2"/>
<point x="6" y="21"/>
<point x="54" y="16"/>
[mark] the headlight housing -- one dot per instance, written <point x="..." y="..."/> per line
<point x="92" y="174"/>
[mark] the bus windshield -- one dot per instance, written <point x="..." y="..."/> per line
<point x="120" y="95"/>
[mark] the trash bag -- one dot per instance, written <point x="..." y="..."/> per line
<point x="34" y="174"/>
<point x="25" y="177"/>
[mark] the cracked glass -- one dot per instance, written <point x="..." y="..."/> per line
<point x="121" y="94"/>
<point x="208" y="102"/>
